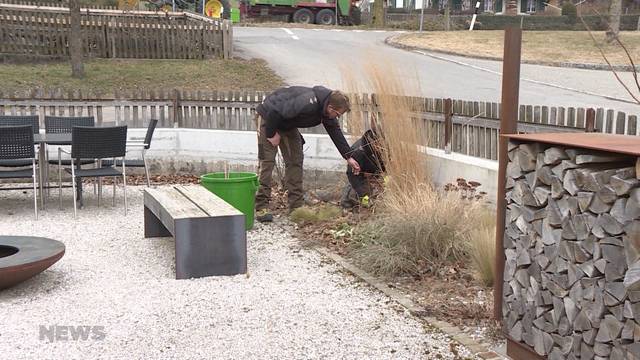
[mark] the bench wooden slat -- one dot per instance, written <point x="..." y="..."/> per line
<point x="175" y="203"/>
<point x="203" y="198"/>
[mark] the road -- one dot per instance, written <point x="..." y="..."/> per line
<point x="335" y="57"/>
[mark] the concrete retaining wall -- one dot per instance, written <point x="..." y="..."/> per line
<point x="197" y="151"/>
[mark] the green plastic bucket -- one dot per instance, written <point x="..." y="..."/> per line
<point x="239" y="190"/>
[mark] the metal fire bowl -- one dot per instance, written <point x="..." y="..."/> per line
<point x="22" y="257"/>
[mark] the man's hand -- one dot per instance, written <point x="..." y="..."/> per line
<point x="354" y="165"/>
<point x="275" y="140"/>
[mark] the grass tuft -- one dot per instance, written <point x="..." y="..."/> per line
<point x="317" y="214"/>
<point x="482" y="250"/>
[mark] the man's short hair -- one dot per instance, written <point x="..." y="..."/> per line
<point x="339" y="101"/>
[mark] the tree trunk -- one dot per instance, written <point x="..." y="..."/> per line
<point x="378" y="13"/>
<point x="447" y="15"/>
<point x="75" y="40"/>
<point x="615" y="10"/>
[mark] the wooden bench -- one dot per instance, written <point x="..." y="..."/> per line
<point x="210" y="234"/>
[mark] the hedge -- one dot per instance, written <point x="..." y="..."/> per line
<point x="500" y="22"/>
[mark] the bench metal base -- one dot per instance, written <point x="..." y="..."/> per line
<point x="205" y="246"/>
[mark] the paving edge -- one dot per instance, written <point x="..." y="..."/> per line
<point x="478" y="349"/>
<point x="391" y="41"/>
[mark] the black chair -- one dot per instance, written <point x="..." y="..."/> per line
<point x="95" y="143"/>
<point x="145" y="146"/>
<point x="19" y="120"/>
<point x="16" y="143"/>
<point x="63" y="125"/>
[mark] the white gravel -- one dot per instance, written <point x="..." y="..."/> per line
<point x="294" y="303"/>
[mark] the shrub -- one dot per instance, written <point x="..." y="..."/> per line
<point x="570" y="11"/>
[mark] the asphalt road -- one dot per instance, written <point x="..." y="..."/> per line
<point x="336" y="58"/>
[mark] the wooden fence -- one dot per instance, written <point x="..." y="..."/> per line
<point x="55" y="4"/>
<point x="465" y="127"/>
<point x="43" y="33"/>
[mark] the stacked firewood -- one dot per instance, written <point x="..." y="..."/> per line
<point x="572" y="252"/>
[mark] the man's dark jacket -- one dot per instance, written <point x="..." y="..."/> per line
<point x="301" y="107"/>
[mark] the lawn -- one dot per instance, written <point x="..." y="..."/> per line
<point x="107" y="75"/>
<point x="546" y="46"/>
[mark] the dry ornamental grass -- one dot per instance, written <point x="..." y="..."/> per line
<point x="415" y="228"/>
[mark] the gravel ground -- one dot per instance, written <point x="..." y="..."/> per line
<point x="293" y="304"/>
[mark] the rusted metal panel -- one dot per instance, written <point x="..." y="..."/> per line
<point x="508" y="125"/>
<point x="622" y="144"/>
<point x="518" y="351"/>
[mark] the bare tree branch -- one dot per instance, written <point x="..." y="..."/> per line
<point x="629" y="57"/>
<point x="604" y="56"/>
<point x="633" y="65"/>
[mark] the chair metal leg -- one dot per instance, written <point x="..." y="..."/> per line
<point x="95" y="189"/>
<point x="115" y="179"/>
<point x="41" y="160"/>
<point x="35" y="189"/>
<point x="46" y="156"/>
<point x="59" y="180"/>
<point x="124" y="185"/>
<point x="146" y="168"/>
<point x="99" y="180"/>
<point x="73" y="182"/>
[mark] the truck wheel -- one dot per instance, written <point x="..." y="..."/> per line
<point x="326" y="17"/>
<point x="303" y="16"/>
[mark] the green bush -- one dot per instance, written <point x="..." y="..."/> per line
<point x="500" y="22"/>
<point x="100" y="2"/>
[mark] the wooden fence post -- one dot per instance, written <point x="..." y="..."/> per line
<point x="448" y="125"/>
<point x="226" y="40"/>
<point x="177" y="119"/>
<point x="230" y="36"/>
<point x="590" y="125"/>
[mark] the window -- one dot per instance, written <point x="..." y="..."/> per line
<point x="531" y="6"/>
<point x="487" y="6"/>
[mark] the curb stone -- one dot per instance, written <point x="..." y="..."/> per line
<point x="391" y="41"/>
<point x="478" y="349"/>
